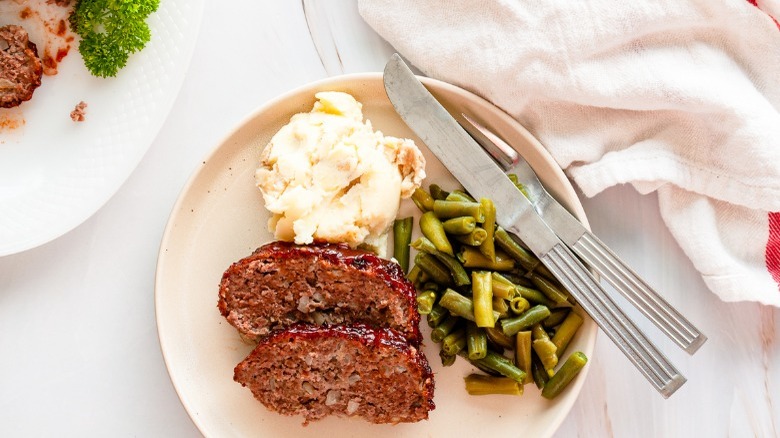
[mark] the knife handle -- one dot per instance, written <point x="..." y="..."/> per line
<point x="570" y="271"/>
<point x="601" y="258"/>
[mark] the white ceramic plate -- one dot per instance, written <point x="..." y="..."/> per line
<point x="54" y="173"/>
<point x="219" y="218"/>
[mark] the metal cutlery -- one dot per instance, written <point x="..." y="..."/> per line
<point x="481" y="176"/>
<point x="587" y="246"/>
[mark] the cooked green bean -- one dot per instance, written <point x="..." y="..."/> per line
<point x="523" y="353"/>
<point x="519" y="305"/>
<point x="402" y="236"/>
<point x="431" y="266"/>
<point x="451" y="209"/>
<point x="454" y="342"/>
<point x="502" y="287"/>
<point x="535" y="296"/>
<point x="498" y="337"/>
<point x="518" y="184"/>
<point x="425" y="302"/>
<point x="424" y="277"/>
<point x="565" y="374"/>
<point x="430" y="285"/>
<point x="556" y="317"/>
<point x="477" y="384"/>
<point x="544" y="349"/>
<point x="457" y="196"/>
<point x="465" y="355"/>
<point x="433" y="229"/>
<point x="437" y="315"/>
<point x="527" y="319"/>
<point x="538" y="372"/>
<point x="527" y="260"/>
<point x="422" y="200"/>
<point x="472" y="258"/>
<point x="488" y="247"/>
<point x="475" y="238"/>
<point x="459" y="305"/>
<point x="414" y="274"/>
<point x="501" y="306"/>
<point x="566" y="332"/>
<point x="549" y="289"/>
<point x="460" y="225"/>
<point x="482" y="292"/>
<point x="510" y="299"/>
<point x="446" y="360"/>
<point x="476" y="341"/>
<point x="444" y="328"/>
<point x="460" y="195"/>
<point x="459" y="275"/>
<point x="538" y="332"/>
<point x="508" y="244"/>
<point x="501" y="365"/>
<point x="437" y="193"/>
<point x="518" y="278"/>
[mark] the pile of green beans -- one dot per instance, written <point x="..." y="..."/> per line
<point x="487" y="298"/>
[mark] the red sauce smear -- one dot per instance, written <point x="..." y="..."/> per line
<point x="62" y="53"/>
<point x="49" y="63"/>
<point x="58" y="36"/>
<point x="62" y="28"/>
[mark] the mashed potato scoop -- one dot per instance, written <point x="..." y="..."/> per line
<point x="328" y="176"/>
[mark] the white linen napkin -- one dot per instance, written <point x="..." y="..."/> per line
<point x="680" y="97"/>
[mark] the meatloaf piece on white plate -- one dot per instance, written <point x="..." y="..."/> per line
<point x="20" y="67"/>
<point x="315" y="371"/>
<point x="281" y="284"/>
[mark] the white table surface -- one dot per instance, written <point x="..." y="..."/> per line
<point x="79" y="354"/>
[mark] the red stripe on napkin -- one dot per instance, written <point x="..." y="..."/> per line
<point x="773" y="243"/>
<point x="773" y="247"/>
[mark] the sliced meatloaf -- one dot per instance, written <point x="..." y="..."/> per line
<point x="20" y="67"/>
<point x="315" y="371"/>
<point x="281" y="284"/>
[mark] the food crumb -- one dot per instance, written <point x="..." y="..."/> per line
<point x="77" y="115"/>
<point x="11" y="121"/>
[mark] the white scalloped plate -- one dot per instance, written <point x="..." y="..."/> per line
<point x="219" y="218"/>
<point x="54" y="173"/>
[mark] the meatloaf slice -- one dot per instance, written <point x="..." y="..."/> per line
<point x="282" y="283"/>
<point x="20" y="67"/>
<point x="315" y="371"/>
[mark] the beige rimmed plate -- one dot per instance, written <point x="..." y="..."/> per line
<point x="219" y="218"/>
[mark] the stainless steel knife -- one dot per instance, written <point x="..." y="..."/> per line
<point x="478" y="174"/>
<point x="587" y="245"/>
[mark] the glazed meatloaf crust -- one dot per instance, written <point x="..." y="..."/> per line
<point x="315" y="371"/>
<point x="20" y="67"/>
<point x="281" y="284"/>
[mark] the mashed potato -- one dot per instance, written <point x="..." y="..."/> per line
<point x="328" y="176"/>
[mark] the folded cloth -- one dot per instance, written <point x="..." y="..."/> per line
<point x="678" y="97"/>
